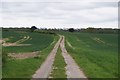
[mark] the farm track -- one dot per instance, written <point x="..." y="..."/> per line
<point x="46" y="67"/>
<point x="72" y="69"/>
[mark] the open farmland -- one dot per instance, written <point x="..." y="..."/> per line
<point x="96" y="54"/>
<point x="66" y="55"/>
<point x="25" y="68"/>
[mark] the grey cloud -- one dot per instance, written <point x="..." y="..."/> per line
<point x="22" y="7"/>
<point x="106" y="4"/>
<point x="39" y="6"/>
<point x="67" y="12"/>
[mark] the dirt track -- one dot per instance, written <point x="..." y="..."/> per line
<point x="46" y="67"/>
<point x="72" y="69"/>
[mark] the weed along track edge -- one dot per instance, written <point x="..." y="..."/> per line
<point x="46" y="67"/>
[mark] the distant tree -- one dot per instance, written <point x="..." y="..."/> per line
<point x="71" y="29"/>
<point x="33" y="28"/>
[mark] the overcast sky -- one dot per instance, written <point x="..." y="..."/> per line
<point x="59" y="14"/>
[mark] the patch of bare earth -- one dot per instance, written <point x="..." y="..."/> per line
<point x="14" y="44"/>
<point x="23" y="55"/>
<point x="1" y="41"/>
<point x="17" y="43"/>
<point x="4" y="40"/>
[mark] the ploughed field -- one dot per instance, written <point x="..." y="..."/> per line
<point x="18" y="42"/>
<point x="96" y="54"/>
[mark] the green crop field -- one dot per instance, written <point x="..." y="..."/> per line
<point x="25" y="68"/>
<point x="96" y="54"/>
<point x="38" y="41"/>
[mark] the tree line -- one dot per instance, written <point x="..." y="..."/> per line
<point x="53" y="30"/>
